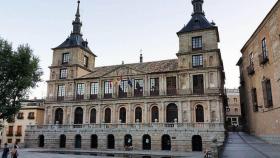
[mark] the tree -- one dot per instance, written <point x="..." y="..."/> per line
<point x="19" y="72"/>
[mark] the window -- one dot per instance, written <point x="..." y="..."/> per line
<point x="171" y="85"/>
<point x="31" y="116"/>
<point x="138" y="87"/>
<point x="65" y="58"/>
<point x="10" y="140"/>
<point x="264" y="49"/>
<point x="19" y="128"/>
<point x="251" y="59"/>
<point x="63" y="73"/>
<point x="235" y="100"/>
<point x="20" y="116"/>
<point x="108" y="89"/>
<point x="17" y="141"/>
<point x="123" y="88"/>
<point x="267" y="93"/>
<point x="254" y="100"/>
<point x="197" y="61"/>
<point x="80" y="90"/>
<point x="197" y="42"/>
<point x="61" y="92"/>
<point x="138" y="114"/>
<point x="85" y="62"/>
<point x="198" y="84"/>
<point x="94" y="88"/>
<point x="154" y="86"/>
<point x="10" y="131"/>
<point x="236" y="110"/>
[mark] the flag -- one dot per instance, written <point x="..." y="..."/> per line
<point x="129" y="82"/>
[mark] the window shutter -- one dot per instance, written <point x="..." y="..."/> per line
<point x="264" y="93"/>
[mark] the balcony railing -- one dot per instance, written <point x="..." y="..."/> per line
<point x="250" y="69"/>
<point x="168" y="92"/>
<point x="18" y="134"/>
<point x="263" y="59"/>
<point x="10" y="134"/>
<point x="171" y="91"/>
<point x="79" y="97"/>
<point x="188" y="126"/>
<point x="154" y="93"/>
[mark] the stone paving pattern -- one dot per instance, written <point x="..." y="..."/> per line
<point x="242" y="145"/>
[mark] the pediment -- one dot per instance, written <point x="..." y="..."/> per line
<point x="123" y="71"/>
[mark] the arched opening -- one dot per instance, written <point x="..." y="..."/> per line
<point x="107" y="115"/>
<point x="78" y="119"/>
<point x="62" y="141"/>
<point x="58" y="119"/>
<point x="128" y="140"/>
<point x="196" y="143"/>
<point x="199" y="113"/>
<point x="146" y="141"/>
<point x="165" y="142"/>
<point x="93" y="116"/>
<point x="138" y="114"/>
<point x="41" y="141"/>
<point x="171" y="112"/>
<point x="94" y="141"/>
<point x="110" y="141"/>
<point x="122" y="115"/>
<point x="78" y="141"/>
<point x="155" y="114"/>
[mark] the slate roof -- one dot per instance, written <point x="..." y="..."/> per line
<point x="145" y="68"/>
<point x="75" y="40"/>
<point x="197" y="22"/>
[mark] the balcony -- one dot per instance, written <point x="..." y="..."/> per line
<point x="79" y="97"/>
<point x="138" y="93"/>
<point x="93" y="96"/>
<point x="144" y="126"/>
<point x="154" y="93"/>
<point x="263" y="59"/>
<point x="18" y="134"/>
<point x="251" y="70"/>
<point x="171" y="91"/>
<point x="10" y="134"/>
<point x="108" y="96"/>
<point x="198" y="91"/>
<point x="60" y="98"/>
<point x="122" y="94"/>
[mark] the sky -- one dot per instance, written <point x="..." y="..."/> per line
<point x="118" y="29"/>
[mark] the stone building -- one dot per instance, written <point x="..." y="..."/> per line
<point x="174" y="104"/>
<point x="31" y="113"/>
<point x="233" y="110"/>
<point x="260" y="78"/>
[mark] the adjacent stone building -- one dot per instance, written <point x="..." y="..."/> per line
<point x="260" y="78"/>
<point x="31" y="113"/>
<point x="174" y="104"/>
<point x="233" y="110"/>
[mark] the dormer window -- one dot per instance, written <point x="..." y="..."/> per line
<point x="85" y="61"/>
<point x="65" y="58"/>
<point x="197" y="43"/>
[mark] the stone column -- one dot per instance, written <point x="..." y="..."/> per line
<point x="113" y="114"/>
<point x="209" y="111"/>
<point x="145" y="113"/>
<point x="180" y="111"/>
<point x="98" y="114"/>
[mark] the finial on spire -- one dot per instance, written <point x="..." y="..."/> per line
<point x="77" y="22"/>
<point x="197" y="7"/>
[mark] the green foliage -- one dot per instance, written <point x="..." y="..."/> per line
<point x="19" y="71"/>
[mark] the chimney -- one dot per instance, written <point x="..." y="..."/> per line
<point x="141" y="58"/>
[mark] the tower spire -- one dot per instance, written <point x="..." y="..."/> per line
<point x="197" y="7"/>
<point x="77" y="22"/>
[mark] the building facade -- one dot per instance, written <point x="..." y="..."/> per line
<point x="172" y="104"/>
<point x="260" y="79"/>
<point x="233" y="110"/>
<point x="31" y="113"/>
